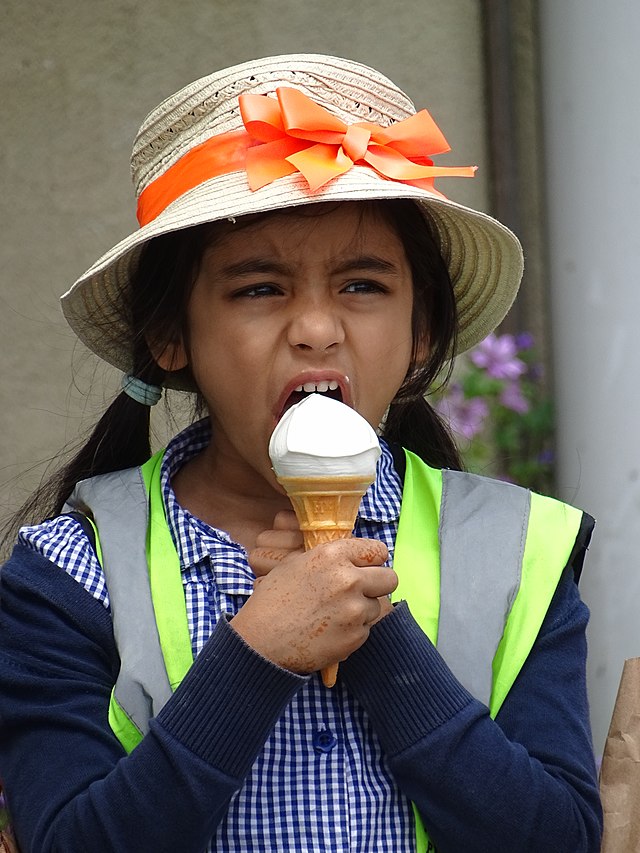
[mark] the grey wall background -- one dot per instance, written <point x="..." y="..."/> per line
<point x="78" y="76"/>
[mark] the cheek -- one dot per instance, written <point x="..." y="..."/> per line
<point x="207" y="341"/>
<point x="227" y="363"/>
<point x="388" y="368"/>
<point x="396" y="345"/>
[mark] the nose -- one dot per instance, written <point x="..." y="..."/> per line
<point x="315" y="324"/>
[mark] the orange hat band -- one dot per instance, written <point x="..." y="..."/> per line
<point x="294" y="134"/>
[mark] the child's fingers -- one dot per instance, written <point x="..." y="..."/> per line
<point x="310" y="609"/>
<point x="272" y="546"/>
<point x="378" y="581"/>
<point x="286" y="520"/>
<point x="285" y="539"/>
<point x="362" y="552"/>
<point x="262" y="560"/>
<point x="386" y="607"/>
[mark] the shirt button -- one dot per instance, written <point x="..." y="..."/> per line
<point x="324" y="741"/>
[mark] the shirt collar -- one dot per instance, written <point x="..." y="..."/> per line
<point x="383" y="498"/>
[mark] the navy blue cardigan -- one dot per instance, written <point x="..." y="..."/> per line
<point x="524" y="782"/>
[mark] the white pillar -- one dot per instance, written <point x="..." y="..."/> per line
<point x="591" y="111"/>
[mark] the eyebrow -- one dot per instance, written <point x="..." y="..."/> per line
<point x="367" y="263"/>
<point x="361" y="263"/>
<point x="253" y="266"/>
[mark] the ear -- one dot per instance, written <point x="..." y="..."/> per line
<point x="171" y="356"/>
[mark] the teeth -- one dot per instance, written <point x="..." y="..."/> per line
<point x="320" y="387"/>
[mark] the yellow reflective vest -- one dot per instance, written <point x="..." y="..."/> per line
<point x="478" y="562"/>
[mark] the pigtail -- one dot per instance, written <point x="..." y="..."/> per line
<point x="120" y="439"/>
<point x="414" y="424"/>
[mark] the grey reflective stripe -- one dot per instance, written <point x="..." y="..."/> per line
<point x="483" y="528"/>
<point x="120" y="508"/>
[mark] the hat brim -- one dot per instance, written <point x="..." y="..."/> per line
<point x="484" y="257"/>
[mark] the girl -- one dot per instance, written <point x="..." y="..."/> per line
<point x="162" y="632"/>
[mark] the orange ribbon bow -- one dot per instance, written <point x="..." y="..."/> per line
<point x="294" y="134"/>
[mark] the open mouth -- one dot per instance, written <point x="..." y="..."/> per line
<point x="329" y="387"/>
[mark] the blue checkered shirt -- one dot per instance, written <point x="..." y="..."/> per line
<point x="321" y="783"/>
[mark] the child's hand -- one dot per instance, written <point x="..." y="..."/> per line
<point x="317" y="607"/>
<point x="272" y="546"/>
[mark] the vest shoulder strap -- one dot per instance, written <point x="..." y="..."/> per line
<point x="490" y="555"/>
<point x="502" y="550"/>
<point x="120" y="509"/>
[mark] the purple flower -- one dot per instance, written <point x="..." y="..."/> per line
<point x="498" y="356"/>
<point x="512" y="397"/>
<point x="524" y="340"/>
<point x="466" y="417"/>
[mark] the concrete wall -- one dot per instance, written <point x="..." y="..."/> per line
<point x="591" y="71"/>
<point x="78" y="76"/>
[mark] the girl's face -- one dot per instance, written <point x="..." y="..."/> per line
<point x="291" y="304"/>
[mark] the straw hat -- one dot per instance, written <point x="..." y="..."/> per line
<point x="219" y="149"/>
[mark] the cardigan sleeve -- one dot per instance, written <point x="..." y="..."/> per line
<point x="526" y="781"/>
<point x="68" y="782"/>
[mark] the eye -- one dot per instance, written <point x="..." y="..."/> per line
<point x="364" y="286"/>
<point x="257" y="291"/>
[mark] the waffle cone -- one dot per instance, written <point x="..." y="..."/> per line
<point x="326" y="509"/>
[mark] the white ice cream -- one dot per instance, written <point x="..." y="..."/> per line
<point x="321" y="437"/>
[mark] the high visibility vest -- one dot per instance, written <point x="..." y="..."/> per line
<point x="478" y="561"/>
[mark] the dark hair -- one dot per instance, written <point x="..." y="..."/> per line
<point x="156" y="304"/>
<point x="411" y="421"/>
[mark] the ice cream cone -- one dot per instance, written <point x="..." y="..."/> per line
<point x="324" y="454"/>
<point x="326" y="509"/>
